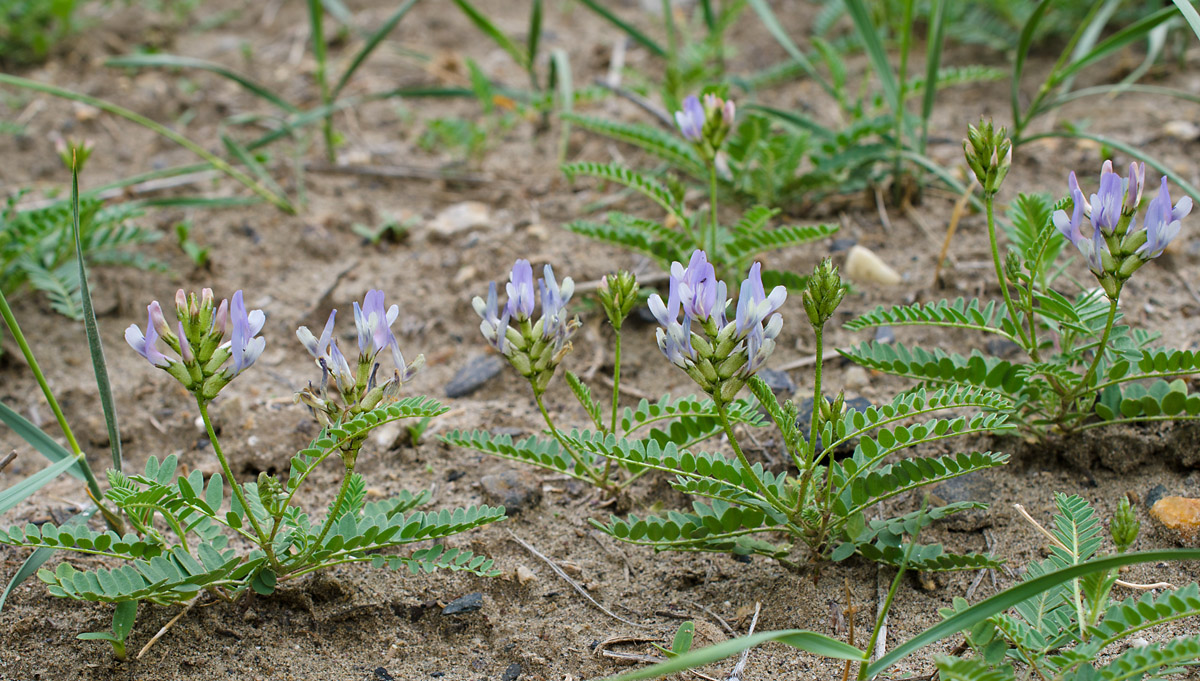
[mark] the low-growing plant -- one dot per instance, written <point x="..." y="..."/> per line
<point x="179" y="536"/>
<point x="536" y="348"/>
<point x="29" y="29"/>
<point x="1054" y="624"/>
<point x="705" y="126"/>
<point x="1082" y="368"/>
<point x="1064" y="631"/>
<point x="823" y="505"/>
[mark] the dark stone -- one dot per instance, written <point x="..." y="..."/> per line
<point x="741" y="558"/>
<point x="778" y="381"/>
<point x="642" y="315"/>
<point x="383" y="675"/>
<point x="842" y="244"/>
<point x="469" y="603"/>
<point x="512" y="489"/>
<point x="804" y="421"/>
<point x="885" y="335"/>
<point x="453" y="475"/>
<point x="970" y="487"/>
<point x="1156" y="492"/>
<point x="512" y="673"/>
<point x="475" y="373"/>
<point x="1004" y="349"/>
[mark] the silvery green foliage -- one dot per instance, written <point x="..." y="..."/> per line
<point x="1066" y="632"/>
<point x="184" y="535"/>
<point x="1054" y="375"/>
<point x="744" y="508"/>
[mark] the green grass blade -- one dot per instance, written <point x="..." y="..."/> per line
<point x="204" y="202"/>
<point x="246" y="158"/>
<point x="95" y="347"/>
<point x="1120" y="89"/>
<point x="27" y="487"/>
<point x="1187" y="187"/>
<point x="532" y="41"/>
<point x="808" y="641"/>
<point x="39" y="440"/>
<point x="875" y="52"/>
<point x="797" y="119"/>
<point x="561" y="64"/>
<point x="1189" y="15"/>
<point x="710" y="17"/>
<point x="39" y="557"/>
<point x="1023" y="44"/>
<point x="178" y="62"/>
<point x="212" y="159"/>
<point x="338" y="10"/>
<point x="635" y="35"/>
<point x="483" y="23"/>
<point x="373" y="41"/>
<point x="316" y="21"/>
<point x="1006" y="599"/>
<point x="1116" y="41"/>
<point x="933" y="62"/>
<point x="771" y="22"/>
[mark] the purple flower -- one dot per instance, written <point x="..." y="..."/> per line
<point x="1090" y="247"/>
<point x="697" y="288"/>
<point x="340" y="368"/>
<point x="494" y="326"/>
<point x="754" y="305"/>
<point x="147" y="345"/>
<point x="520" y="291"/>
<point x="1162" y="222"/>
<point x="374" y="323"/>
<point x="1106" y="204"/>
<point x="760" y="343"/>
<point x="691" y="119"/>
<point x="554" y="304"/>
<point x="404" y="371"/>
<point x="244" y="346"/>
<point x="317" y="347"/>
<point x="675" y="341"/>
<point x="1133" y="190"/>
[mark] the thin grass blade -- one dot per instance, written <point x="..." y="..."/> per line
<point x="39" y="440"/>
<point x="27" y="487"/>
<point x="246" y="158"/>
<point x="483" y="23"/>
<point x="875" y="52"/>
<point x="808" y="641"/>
<point x="1118" y="40"/>
<point x="561" y="65"/>
<point x="39" y="557"/>
<point x="178" y="62"/>
<point x="533" y="39"/>
<point x="933" y="62"/>
<point x="635" y="35"/>
<point x="1189" y="15"/>
<point x="95" y="347"/>
<point x="771" y="22"/>
<point x="1006" y="599"/>
<point x="373" y="41"/>
<point x="1023" y="44"/>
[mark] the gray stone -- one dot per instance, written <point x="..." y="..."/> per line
<point x="515" y="490"/>
<point x="512" y="673"/>
<point x="474" y="374"/>
<point x="885" y="335"/>
<point x="779" y="382"/>
<point x="464" y="604"/>
<point x="970" y="487"/>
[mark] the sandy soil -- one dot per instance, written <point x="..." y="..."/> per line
<point x="356" y="623"/>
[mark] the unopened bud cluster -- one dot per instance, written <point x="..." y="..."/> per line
<point x="1124" y="526"/>
<point x="198" y="340"/>
<point x="618" y="295"/>
<point x="989" y="154"/>
<point x="722" y="354"/>
<point x="1104" y="229"/>
<point x="534" y="348"/>
<point x="823" y="294"/>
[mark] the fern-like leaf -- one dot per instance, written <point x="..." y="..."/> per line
<point x="612" y="172"/>
<point x="664" y="145"/>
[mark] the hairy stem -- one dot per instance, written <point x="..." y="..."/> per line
<point x="264" y="540"/>
<point x="1091" y="371"/>
<point x="595" y="476"/>
<point x="989" y="204"/>
<point x="329" y="520"/>
<point x="737" y="449"/>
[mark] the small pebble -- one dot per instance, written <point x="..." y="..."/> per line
<point x="885" y="335"/>
<point x="459" y="218"/>
<point x="856" y="378"/>
<point x="512" y="673"/>
<point x="863" y="266"/>
<point x="525" y="575"/>
<point x="843" y="244"/>
<point x="382" y="674"/>
<point x="778" y="381"/>
<point x="475" y="373"/>
<point x="469" y="603"/>
<point x="1178" y="518"/>
<point x="515" y="490"/>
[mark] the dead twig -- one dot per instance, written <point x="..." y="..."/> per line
<point x="641" y="102"/>
<point x="808" y="361"/>
<point x="167" y="627"/>
<point x="396" y="172"/>
<point x="959" y="208"/>
<point x="575" y="585"/>
<point x="627" y="390"/>
<point x="736" y="674"/>
<point x="8" y="458"/>
<point x="883" y="216"/>
<point x="721" y="621"/>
